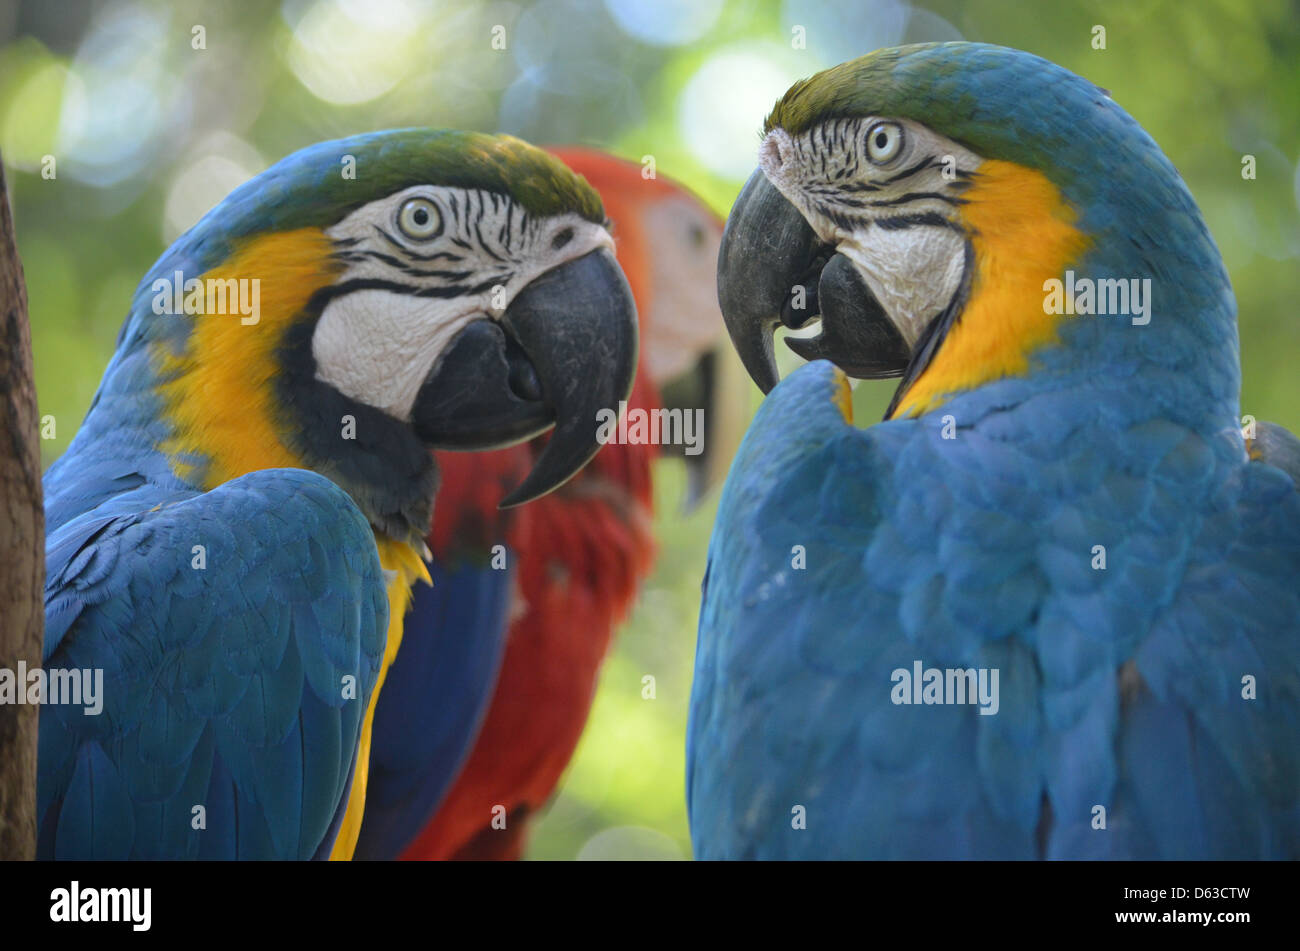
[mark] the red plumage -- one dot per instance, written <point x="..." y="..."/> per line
<point x="580" y="553"/>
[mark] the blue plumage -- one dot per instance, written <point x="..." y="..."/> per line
<point x="246" y="500"/>
<point x="223" y="685"/>
<point x="1119" y="688"/>
<point x="433" y="700"/>
<point x="1163" y="687"/>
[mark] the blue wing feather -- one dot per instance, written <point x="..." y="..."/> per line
<point x="222" y="685"/>
<point x="1121" y="688"/>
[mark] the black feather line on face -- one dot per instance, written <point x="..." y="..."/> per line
<point x="835" y="192"/>
<point x="475" y="207"/>
<point x="841" y="219"/>
<point x="483" y="245"/>
<point x="914" y="196"/>
<point x="929" y="219"/>
<point x="920" y="166"/>
<point x="433" y="256"/>
<point x="383" y="284"/>
<point x="504" y="233"/>
<point x="410" y="269"/>
<point x="415" y="255"/>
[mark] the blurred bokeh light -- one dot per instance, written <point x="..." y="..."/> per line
<point x="149" y="129"/>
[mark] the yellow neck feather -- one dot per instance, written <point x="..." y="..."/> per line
<point x="401" y="558"/>
<point x="1022" y="234"/>
<point x="218" y="395"/>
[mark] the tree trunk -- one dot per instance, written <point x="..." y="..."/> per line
<point x="22" y="548"/>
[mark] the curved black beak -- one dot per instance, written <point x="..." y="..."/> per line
<point x="564" y="349"/>
<point x="773" y="269"/>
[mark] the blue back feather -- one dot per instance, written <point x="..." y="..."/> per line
<point x="223" y="686"/>
<point x="434" y="699"/>
<point x="1123" y="688"/>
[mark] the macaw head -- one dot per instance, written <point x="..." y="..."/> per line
<point x="397" y="292"/>
<point x="666" y="240"/>
<point x="959" y="214"/>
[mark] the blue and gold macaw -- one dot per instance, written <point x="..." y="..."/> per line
<point x="234" y="531"/>
<point x="1048" y="607"/>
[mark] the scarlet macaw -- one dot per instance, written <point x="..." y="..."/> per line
<point x="576" y="560"/>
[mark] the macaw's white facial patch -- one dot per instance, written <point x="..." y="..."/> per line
<point x="378" y="346"/>
<point x="684" y="320"/>
<point x="419" y="265"/>
<point x="914" y="273"/>
<point x="886" y="193"/>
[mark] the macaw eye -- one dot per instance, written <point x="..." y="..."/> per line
<point x="419" y="219"/>
<point x="884" y="141"/>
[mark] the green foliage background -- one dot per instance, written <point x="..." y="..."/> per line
<point x="148" y="132"/>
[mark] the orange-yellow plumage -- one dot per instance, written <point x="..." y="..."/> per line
<point x="1022" y="234"/>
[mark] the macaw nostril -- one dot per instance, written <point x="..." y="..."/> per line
<point x="772" y="152"/>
